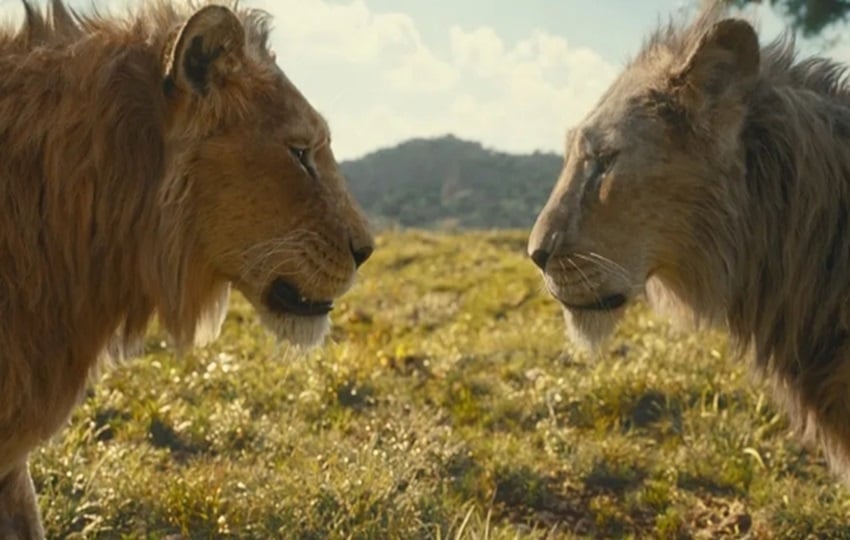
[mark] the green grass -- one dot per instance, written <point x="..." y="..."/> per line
<point x="447" y="405"/>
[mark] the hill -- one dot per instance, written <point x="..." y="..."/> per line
<point x="451" y="183"/>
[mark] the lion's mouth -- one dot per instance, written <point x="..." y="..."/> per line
<point x="605" y="303"/>
<point x="283" y="297"/>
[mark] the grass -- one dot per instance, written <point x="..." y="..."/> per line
<point x="447" y="405"/>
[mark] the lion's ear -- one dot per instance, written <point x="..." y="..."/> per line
<point x="726" y="56"/>
<point x="209" y="46"/>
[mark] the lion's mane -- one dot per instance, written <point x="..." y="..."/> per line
<point x="91" y="213"/>
<point x="776" y="230"/>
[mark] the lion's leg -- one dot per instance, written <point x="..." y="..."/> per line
<point x="19" y="514"/>
<point x="833" y="433"/>
<point x="818" y="404"/>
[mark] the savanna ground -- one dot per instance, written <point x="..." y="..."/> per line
<point x="447" y="406"/>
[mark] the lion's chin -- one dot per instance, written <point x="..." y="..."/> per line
<point x="591" y="330"/>
<point x="303" y="332"/>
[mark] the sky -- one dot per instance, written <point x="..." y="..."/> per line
<point x="513" y="75"/>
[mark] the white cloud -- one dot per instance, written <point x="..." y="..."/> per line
<point x="525" y="96"/>
<point x="347" y="32"/>
<point x="480" y="50"/>
<point x="378" y="82"/>
<point x="842" y="51"/>
<point x="421" y="72"/>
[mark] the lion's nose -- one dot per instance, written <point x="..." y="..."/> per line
<point x="546" y="237"/>
<point x="540" y="258"/>
<point x="361" y="254"/>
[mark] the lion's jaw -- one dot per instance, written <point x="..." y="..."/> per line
<point x="593" y="298"/>
<point x="591" y="330"/>
<point x="301" y="322"/>
<point x="302" y="332"/>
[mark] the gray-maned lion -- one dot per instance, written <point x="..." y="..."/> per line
<point x="147" y="164"/>
<point x="718" y="172"/>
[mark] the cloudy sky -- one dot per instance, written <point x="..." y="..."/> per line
<point x="513" y="75"/>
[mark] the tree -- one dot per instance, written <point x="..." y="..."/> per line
<point x="811" y="17"/>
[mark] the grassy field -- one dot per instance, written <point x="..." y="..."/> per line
<point x="447" y="405"/>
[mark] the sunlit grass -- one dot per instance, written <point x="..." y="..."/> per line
<point x="447" y="405"/>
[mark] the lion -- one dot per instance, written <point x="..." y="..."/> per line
<point x="147" y="165"/>
<point x="713" y="177"/>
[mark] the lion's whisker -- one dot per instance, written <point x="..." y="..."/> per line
<point x="587" y="282"/>
<point x="606" y="265"/>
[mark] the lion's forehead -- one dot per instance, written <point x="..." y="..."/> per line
<point x="287" y="111"/>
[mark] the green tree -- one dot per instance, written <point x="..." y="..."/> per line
<point x="810" y="17"/>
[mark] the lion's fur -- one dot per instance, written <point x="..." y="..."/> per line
<point x="99" y="220"/>
<point x="748" y="183"/>
<point x="88" y="249"/>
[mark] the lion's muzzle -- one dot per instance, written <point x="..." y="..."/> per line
<point x="602" y="303"/>
<point x="284" y="298"/>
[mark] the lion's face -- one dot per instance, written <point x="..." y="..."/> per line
<point x="271" y="210"/>
<point x="274" y="216"/>
<point x="601" y="233"/>
<point x="641" y="176"/>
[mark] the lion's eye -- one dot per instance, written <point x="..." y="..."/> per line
<point x="591" y="168"/>
<point x="598" y="165"/>
<point x="302" y="154"/>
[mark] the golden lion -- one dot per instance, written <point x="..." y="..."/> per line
<point x="146" y="165"/>
<point x="718" y="172"/>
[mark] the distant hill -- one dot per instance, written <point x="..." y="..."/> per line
<point x="451" y="183"/>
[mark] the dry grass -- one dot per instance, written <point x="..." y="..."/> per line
<point x="447" y="406"/>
